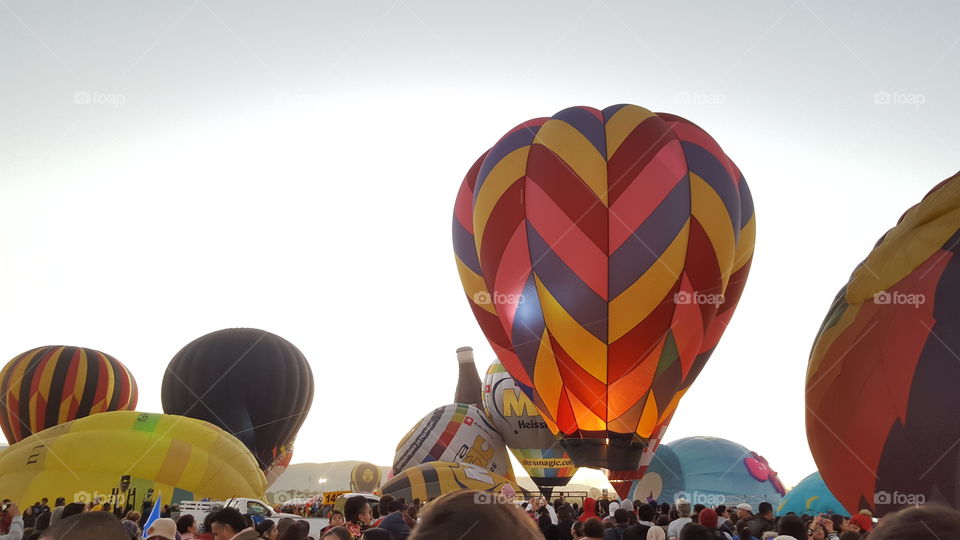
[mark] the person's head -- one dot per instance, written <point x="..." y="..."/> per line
<point x="792" y="526"/>
<point x="60" y="501"/>
<point x="266" y="529"/>
<point x="656" y="533"/>
<point x="721" y="510"/>
<point x="743" y="530"/>
<point x="87" y="526"/>
<point x="576" y="530"/>
<point x="744" y="510"/>
<point x="357" y="509"/>
<point x="663" y="521"/>
<point x="396" y="505"/>
<point x="73" y="509"/>
<point x="708" y="518"/>
<point x="296" y="531"/>
<point x="162" y="529"/>
<point x="43" y="521"/>
<point x="621" y="516"/>
<point x="929" y="521"/>
<point x="43" y="500"/>
<point x="459" y="515"/>
<point x="186" y="523"/>
<point x="664" y="509"/>
<point x="695" y="531"/>
<point x="766" y="510"/>
<point x="860" y="523"/>
<point x="683" y="508"/>
<point x="646" y="512"/>
<point x="593" y="528"/>
<point x="337" y="533"/>
<point x="133" y="515"/>
<point x="336" y="518"/>
<point x="227" y="523"/>
<point x="384" y="504"/>
<point x="543" y="520"/>
<point x="564" y="513"/>
<point x="377" y="533"/>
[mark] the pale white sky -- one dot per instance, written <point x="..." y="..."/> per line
<point x="172" y="168"/>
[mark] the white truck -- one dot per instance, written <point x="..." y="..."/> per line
<point x="255" y="508"/>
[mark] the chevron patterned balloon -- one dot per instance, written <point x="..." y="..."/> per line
<point x="603" y="253"/>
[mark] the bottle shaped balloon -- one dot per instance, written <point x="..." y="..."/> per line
<point x="603" y="254"/>
<point x="468" y="380"/>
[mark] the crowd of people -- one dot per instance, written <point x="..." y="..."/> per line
<point x="472" y="515"/>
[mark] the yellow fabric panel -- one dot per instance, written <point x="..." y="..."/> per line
<point x="576" y="151"/>
<point x="174" y="462"/>
<point x="586" y="419"/>
<point x="649" y="418"/>
<point x="622" y="124"/>
<point x="546" y="378"/>
<point x="708" y="208"/>
<point x="672" y="406"/>
<point x="640" y="299"/>
<point x="745" y="244"/>
<point x="46" y="375"/>
<point x="472" y="284"/>
<point x="508" y="170"/>
<point x="826" y="339"/>
<point x="586" y="350"/>
<point x="925" y="229"/>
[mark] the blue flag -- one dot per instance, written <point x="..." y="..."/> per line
<point x="154" y="515"/>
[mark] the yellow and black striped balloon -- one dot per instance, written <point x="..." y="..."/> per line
<point x="47" y="386"/>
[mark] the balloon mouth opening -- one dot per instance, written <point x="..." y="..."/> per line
<point x="613" y="451"/>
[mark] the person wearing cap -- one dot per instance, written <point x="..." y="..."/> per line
<point x="744" y="511"/>
<point x="683" y="510"/>
<point x="860" y="523"/>
<point x="708" y="518"/>
<point x="162" y="529"/>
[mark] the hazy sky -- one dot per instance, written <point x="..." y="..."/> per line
<point x="170" y="168"/>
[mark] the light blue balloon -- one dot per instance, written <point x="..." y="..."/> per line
<point x="811" y="496"/>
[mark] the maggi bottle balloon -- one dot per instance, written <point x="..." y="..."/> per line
<point x="525" y="432"/>
<point x="603" y="253"/>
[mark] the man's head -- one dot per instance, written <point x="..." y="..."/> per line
<point x="384" y="505"/>
<point x="564" y="513"/>
<point x="744" y="510"/>
<point x="695" y="531"/>
<point x="621" y="516"/>
<point x="358" y="509"/>
<point x="227" y="523"/>
<point x="683" y="508"/>
<point x="87" y="526"/>
<point x="929" y="521"/>
<point x="766" y="510"/>
<point x="721" y="510"/>
<point x="43" y="500"/>
<point x="396" y="505"/>
<point x="646" y="512"/>
<point x="164" y="528"/>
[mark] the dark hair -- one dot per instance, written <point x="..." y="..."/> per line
<point x="72" y="509"/>
<point x="695" y="531"/>
<point x="384" y="504"/>
<point x="792" y="526"/>
<point x="340" y="532"/>
<point x="353" y="507"/>
<point x="743" y="531"/>
<point x="231" y="517"/>
<point x="43" y="521"/>
<point x="837" y="520"/>
<point x="88" y="526"/>
<point x="185" y="522"/>
<point x="621" y="516"/>
<point x="593" y="528"/>
<point x="264" y="526"/>
<point x="919" y="523"/>
<point x="564" y="513"/>
<point x="663" y="520"/>
<point x="721" y="508"/>
<point x="297" y="531"/>
<point x="459" y="515"/>
<point x="665" y="509"/>
<point x="377" y="533"/>
<point x="395" y="505"/>
<point x="765" y="507"/>
<point x="646" y="512"/>
<point x="850" y="535"/>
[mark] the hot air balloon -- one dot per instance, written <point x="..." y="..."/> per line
<point x="181" y="458"/>
<point x="365" y="477"/>
<point x="458" y="433"/>
<point x="708" y="471"/>
<point x="254" y="384"/>
<point x="603" y="253"/>
<point x="811" y="497"/>
<point x="524" y="431"/>
<point x="430" y="480"/>
<point x="880" y="394"/>
<point x="47" y="386"/>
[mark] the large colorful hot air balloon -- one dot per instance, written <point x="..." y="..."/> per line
<point x="811" y="497"/>
<point x="881" y="384"/>
<point x="430" y="480"/>
<point x="47" y="386"/>
<point x="458" y="433"/>
<point x="181" y="458"/>
<point x="524" y="431"/>
<point x="254" y="384"/>
<point x="603" y="253"/>
<point x="709" y="471"/>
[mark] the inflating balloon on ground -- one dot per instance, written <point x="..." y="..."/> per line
<point x="430" y="480"/>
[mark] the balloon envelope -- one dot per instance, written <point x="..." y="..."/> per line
<point x="47" y="386"/>
<point x="523" y="429"/>
<point x="708" y="471"/>
<point x="431" y="480"/>
<point x="182" y="458"/>
<point x="811" y="496"/>
<point x="881" y="382"/>
<point x="254" y="384"/>
<point x="365" y="477"/>
<point x="603" y="253"/>
<point x="457" y="433"/>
